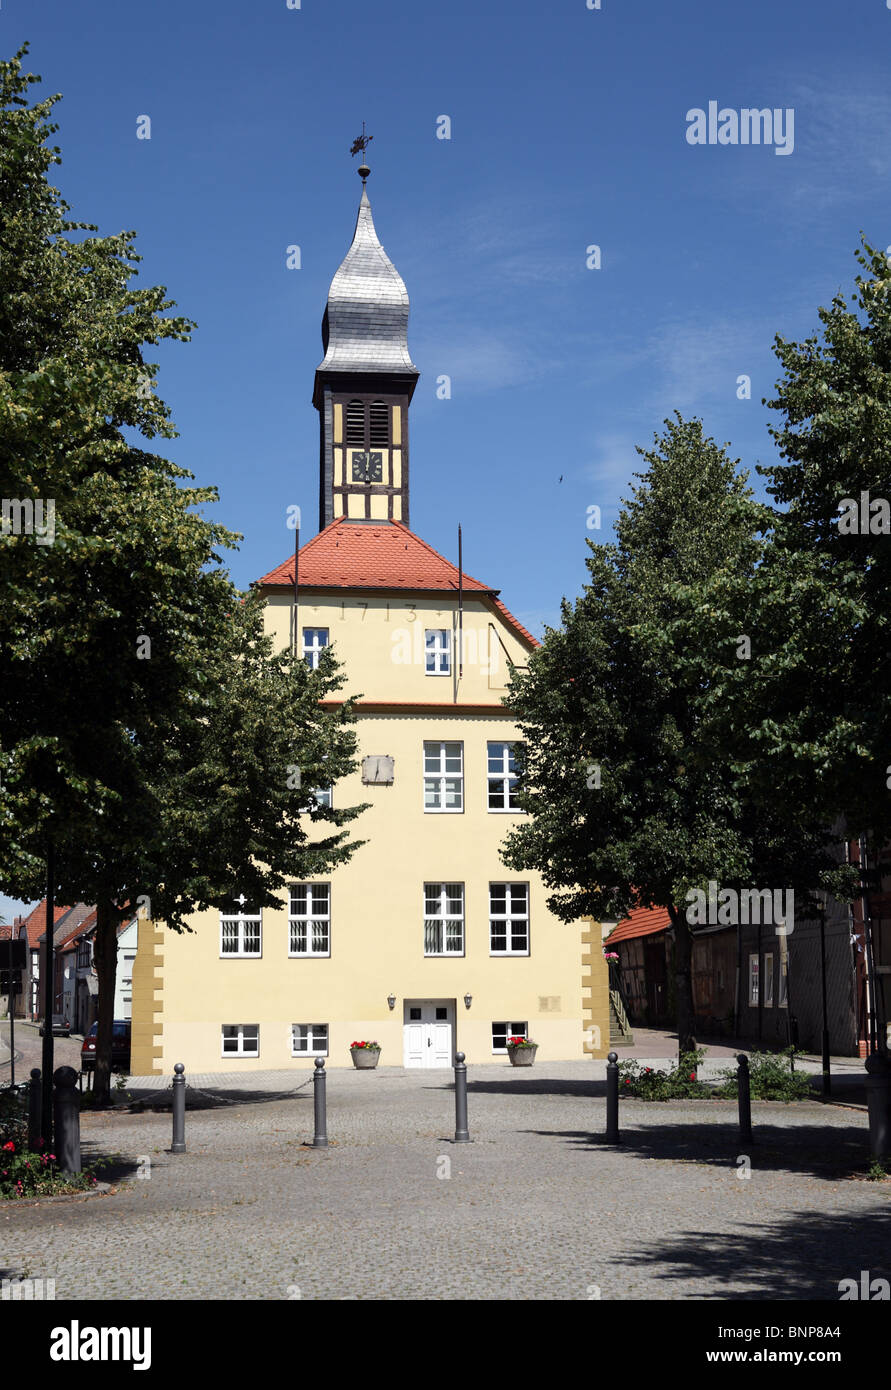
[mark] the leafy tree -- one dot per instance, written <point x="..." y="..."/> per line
<point x="151" y="734"/>
<point x="634" y="796"/>
<point x="825" y="711"/>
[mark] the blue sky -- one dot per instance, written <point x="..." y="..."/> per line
<point x="568" y="129"/>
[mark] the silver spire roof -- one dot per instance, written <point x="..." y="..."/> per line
<point x="365" y="325"/>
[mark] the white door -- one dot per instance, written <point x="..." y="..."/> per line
<point x="428" y="1033"/>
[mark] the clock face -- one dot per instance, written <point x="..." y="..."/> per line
<point x="367" y="468"/>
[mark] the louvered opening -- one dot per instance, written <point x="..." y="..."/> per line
<point x="380" y="423"/>
<point x="355" y="422"/>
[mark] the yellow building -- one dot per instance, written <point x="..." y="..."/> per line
<point x="423" y="942"/>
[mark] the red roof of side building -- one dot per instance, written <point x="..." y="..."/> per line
<point x="5" y="931"/>
<point x="643" y="921"/>
<point x="35" y="922"/>
<point x="69" y="942"/>
<point x="380" y="555"/>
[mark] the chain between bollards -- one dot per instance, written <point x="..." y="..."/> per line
<point x="612" y="1098"/>
<point x="179" y="1110"/>
<point x="319" y="1105"/>
<point x="66" y="1120"/>
<point x="745" y="1100"/>
<point x="461" y="1133"/>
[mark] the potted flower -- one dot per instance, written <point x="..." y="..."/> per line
<point x="521" y="1051"/>
<point x="365" y="1055"/>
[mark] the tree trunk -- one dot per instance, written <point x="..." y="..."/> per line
<point x="105" y="956"/>
<point x="683" y="965"/>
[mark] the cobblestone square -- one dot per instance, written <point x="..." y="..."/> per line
<point x="537" y="1207"/>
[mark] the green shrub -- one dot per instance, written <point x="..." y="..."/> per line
<point x="678" y="1083"/>
<point x="771" y="1078"/>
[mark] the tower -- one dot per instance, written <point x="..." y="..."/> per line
<point x="364" y="384"/>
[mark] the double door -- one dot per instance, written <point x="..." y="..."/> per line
<point x="428" y="1030"/>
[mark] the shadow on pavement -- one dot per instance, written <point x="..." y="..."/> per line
<point x="835" y="1152"/>
<point x="803" y="1256"/>
<point x="530" y="1086"/>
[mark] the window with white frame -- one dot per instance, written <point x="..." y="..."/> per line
<point x="315" y="639"/>
<point x="240" y="933"/>
<point x="768" y="980"/>
<point x="502" y="1031"/>
<point x="444" y="777"/>
<point x="753" y="981"/>
<point x="502" y="771"/>
<point x="322" y="796"/>
<point x="509" y="919"/>
<point x="309" y="920"/>
<point x="443" y="919"/>
<point x="437" y="651"/>
<point x="783" y="1001"/>
<point x="241" y="1039"/>
<point x="309" y="1040"/>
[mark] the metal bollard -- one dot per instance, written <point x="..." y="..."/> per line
<point x="35" y="1103"/>
<point x="745" y="1100"/>
<point x="612" y="1098"/>
<point x="320" y="1105"/>
<point x="461" y="1133"/>
<point x="179" y="1110"/>
<point x="878" y="1100"/>
<point x="66" y="1120"/>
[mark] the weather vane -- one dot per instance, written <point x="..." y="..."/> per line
<point x="359" y="146"/>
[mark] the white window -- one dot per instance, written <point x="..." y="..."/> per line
<point x="240" y="933"/>
<point x="315" y="639"/>
<point x="502" y="777"/>
<point x="509" y="919"/>
<point x="753" y="981"/>
<point x="768" y="981"/>
<point x="783" y="1001"/>
<point x="309" y="1040"/>
<point x="443" y="919"/>
<point x="309" y="920"/>
<point x="437" y="651"/>
<point x="502" y="1031"/>
<point x="322" y="796"/>
<point x="241" y="1039"/>
<point x="443" y="776"/>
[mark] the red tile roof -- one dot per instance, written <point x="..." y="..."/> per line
<point x="35" y="922"/>
<point x="380" y="555"/>
<point x="5" y="931"/>
<point x="643" y="921"/>
<point x="70" y="941"/>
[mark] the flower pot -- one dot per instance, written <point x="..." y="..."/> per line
<point x="522" y="1056"/>
<point x="365" y="1058"/>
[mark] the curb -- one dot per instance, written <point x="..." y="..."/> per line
<point x="101" y="1189"/>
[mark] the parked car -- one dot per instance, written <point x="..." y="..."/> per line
<point x="61" y="1027"/>
<point x="120" y="1047"/>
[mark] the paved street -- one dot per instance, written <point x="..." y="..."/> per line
<point x="536" y="1208"/>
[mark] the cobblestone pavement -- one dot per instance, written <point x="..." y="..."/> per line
<point x="29" y="1050"/>
<point x="537" y="1207"/>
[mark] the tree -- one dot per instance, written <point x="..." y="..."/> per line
<point x="828" y="723"/>
<point x="151" y="735"/>
<point x="634" y="796"/>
